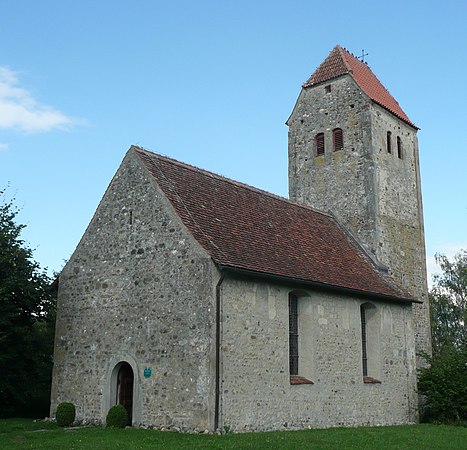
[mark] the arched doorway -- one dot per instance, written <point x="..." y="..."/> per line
<point x="124" y="391"/>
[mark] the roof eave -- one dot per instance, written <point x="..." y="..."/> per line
<point x="408" y="122"/>
<point x="314" y="284"/>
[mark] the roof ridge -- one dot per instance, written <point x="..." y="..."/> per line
<point x="341" y="52"/>
<point x="322" y="73"/>
<point x="230" y="180"/>
<point x="366" y="66"/>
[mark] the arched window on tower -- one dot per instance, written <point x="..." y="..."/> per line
<point x="399" y="147"/>
<point x="388" y="142"/>
<point x="319" y="144"/>
<point x="337" y="139"/>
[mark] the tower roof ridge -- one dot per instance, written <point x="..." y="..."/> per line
<point x="341" y="51"/>
<point x="341" y="61"/>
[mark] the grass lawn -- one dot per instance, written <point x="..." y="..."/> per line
<point x="26" y="434"/>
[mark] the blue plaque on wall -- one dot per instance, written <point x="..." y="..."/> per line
<point x="147" y="372"/>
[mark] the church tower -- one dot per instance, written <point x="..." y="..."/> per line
<point x="354" y="152"/>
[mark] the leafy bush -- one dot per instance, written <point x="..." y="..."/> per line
<point x="65" y="414"/>
<point x="444" y="384"/>
<point x="117" y="417"/>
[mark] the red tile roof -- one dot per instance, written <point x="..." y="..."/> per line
<point x="248" y="229"/>
<point x="340" y="62"/>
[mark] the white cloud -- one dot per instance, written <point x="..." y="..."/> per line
<point x="4" y="147"/>
<point x="20" y="111"/>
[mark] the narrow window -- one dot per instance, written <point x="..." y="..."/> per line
<point x="337" y="139"/>
<point x="364" y="341"/>
<point x="327" y="89"/>
<point x="319" y="144"/>
<point x="399" y="147"/>
<point x="389" y="142"/>
<point x="293" y="334"/>
<point x="371" y="352"/>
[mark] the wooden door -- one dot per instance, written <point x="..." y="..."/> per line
<point x="125" y="389"/>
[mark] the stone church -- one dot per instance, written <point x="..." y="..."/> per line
<point x="199" y="302"/>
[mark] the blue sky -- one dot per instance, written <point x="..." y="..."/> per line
<point x="210" y="83"/>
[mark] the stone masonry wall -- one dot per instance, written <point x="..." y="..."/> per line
<point x="341" y="182"/>
<point x="255" y="384"/>
<point x="373" y="193"/>
<point x="138" y="289"/>
<point x="400" y="240"/>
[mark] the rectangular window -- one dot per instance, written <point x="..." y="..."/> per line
<point x="388" y="142"/>
<point x="399" y="147"/>
<point x="371" y="355"/>
<point x="338" y="139"/>
<point x="293" y="335"/>
<point x="364" y="341"/>
<point x="319" y="144"/>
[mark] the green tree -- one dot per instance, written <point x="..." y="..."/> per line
<point x="444" y="381"/>
<point x="448" y="301"/>
<point x="27" y="318"/>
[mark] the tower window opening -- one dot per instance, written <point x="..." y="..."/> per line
<point x="319" y="144"/>
<point x="388" y="140"/>
<point x="399" y="147"/>
<point x="338" y="139"/>
<point x="327" y="89"/>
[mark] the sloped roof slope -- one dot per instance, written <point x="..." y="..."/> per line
<point x="245" y="228"/>
<point x="340" y="62"/>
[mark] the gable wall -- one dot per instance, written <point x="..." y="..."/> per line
<point x="256" y="390"/>
<point x="140" y="292"/>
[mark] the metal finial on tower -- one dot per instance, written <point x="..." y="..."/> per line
<point x="362" y="56"/>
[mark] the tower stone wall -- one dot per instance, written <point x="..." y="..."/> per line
<point x="341" y="182"/>
<point x="373" y="192"/>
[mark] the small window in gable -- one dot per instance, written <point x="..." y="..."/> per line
<point x="399" y="147"/>
<point x="388" y="139"/>
<point x="319" y="144"/>
<point x="338" y="139"/>
<point x="327" y="89"/>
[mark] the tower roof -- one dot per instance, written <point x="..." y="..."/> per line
<point x="244" y="228"/>
<point x="341" y="62"/>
